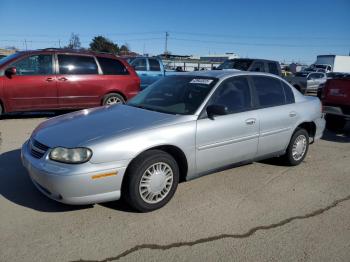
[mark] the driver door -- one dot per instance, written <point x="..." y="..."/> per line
<point x="34" y="86"/>
<point x="230" y="138"/>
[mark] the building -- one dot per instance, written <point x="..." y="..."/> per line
<point x="194" y="63"/>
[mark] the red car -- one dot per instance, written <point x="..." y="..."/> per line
<point x="51" y="79"/>
<point x="336" y="101"/>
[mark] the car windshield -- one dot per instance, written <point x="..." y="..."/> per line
<point x="7" y="58"/>
<point x="175" y="94"/>
<point x="239" y="64"/>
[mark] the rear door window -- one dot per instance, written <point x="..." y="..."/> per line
<point x="77" y="65"/>
<point x="154" y="65"/>
<point x="34" y="65"/>
<point x="269" y="91"/>
<point x="288" y="93"/>
<point x="112" y="66"/>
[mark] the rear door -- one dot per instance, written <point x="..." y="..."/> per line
<point x="34" y="86"/>
<point x="79" y="83"/>
<point x="275" y="101"/>
<point x="230" y="138"/>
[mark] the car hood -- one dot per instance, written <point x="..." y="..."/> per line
<point x="81" y="127"/>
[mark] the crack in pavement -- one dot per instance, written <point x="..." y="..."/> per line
<point x="221" y="236"/>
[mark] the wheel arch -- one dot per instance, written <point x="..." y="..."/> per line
<point x="172" y="150"/>
<point x="113" y="92"/>
<point x="309" y="126"/>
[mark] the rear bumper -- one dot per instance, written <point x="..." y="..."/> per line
<point x="334" y="110"/>
<point x="320" y="127"/>
<point x="66" y="184"/>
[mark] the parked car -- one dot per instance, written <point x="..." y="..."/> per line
<point x="149" y="69"/>
<point x="51" y="79"/>
<point x="179" y="128"/>
<point x="254" y="65"/>
<point x="332" y="63"/>
<point x="336" y="101"/>
<point x="307" y="82"/>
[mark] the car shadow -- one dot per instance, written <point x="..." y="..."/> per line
<point x="17" y="187"/>
<point x="340" y="136"/>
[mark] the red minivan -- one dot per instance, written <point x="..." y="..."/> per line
<point x="51" y="79"/>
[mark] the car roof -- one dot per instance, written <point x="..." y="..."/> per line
<point x="68" y="51"/>
<point x="254" y="59"/>
<point x="223" y="73"/>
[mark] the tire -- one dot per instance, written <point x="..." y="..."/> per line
<point x="1" y="110"/>
<point x="335" y="123"/>
<point x="297" y="148"/>
<point x="137" y="194"/>
<point x="113" y="99"/>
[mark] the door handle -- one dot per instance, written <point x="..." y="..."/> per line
<point x="292" y="114"/>
<point x="62" y="79"/>
<point x="250" y="121"/>
<point x="50" y="79"/>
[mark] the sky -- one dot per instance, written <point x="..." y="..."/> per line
<point x="290" y="31"/>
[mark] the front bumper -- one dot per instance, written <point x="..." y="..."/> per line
<point x="74" y="184"/>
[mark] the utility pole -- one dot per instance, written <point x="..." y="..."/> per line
<point x="25" y="44"/>
<point x="166" y="43"/>
<point x="59" y="43"/>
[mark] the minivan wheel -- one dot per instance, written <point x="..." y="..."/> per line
<point x="297" y="148"/>
<point x="151" y="181"/>
<point x="112" y="99"/>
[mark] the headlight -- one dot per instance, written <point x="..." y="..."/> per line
<point x="71" y="155"/>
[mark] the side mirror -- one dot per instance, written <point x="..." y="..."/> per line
<point x="216" y="110"/>
<point x="11" y="71"/>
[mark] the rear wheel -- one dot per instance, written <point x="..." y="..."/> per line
<point x="112" y="99"/>
<point x="297" y="148"/>
<point x="335" y="123"/>
<point x="151" y="181"/>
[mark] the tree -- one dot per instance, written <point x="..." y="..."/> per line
<point x="74" y="42"/>
<point x="103" y="44"/>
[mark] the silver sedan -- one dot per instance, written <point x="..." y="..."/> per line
<point x="179" y="128"/>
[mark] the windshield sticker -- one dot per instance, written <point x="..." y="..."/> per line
<point x="201" y="81"/>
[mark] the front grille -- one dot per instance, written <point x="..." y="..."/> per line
<point x="37" y="149"/>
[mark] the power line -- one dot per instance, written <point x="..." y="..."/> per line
<point x="254" y="44"/>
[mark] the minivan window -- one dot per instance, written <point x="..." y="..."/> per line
<point x="234" y="94"/>
<point x="154" y="65"/>
<point x="77" y="65"/>
<point x="273" y="68"/>
<point x="269" y="91"/>
<point x="112" y="66"/>
<point x="139" y="64"/>
<point x="34" y="65"/>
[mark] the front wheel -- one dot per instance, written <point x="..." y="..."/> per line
<point x="297" y="148"/>
<point x="112" y="99"/>
<point x="151" y="181"/>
